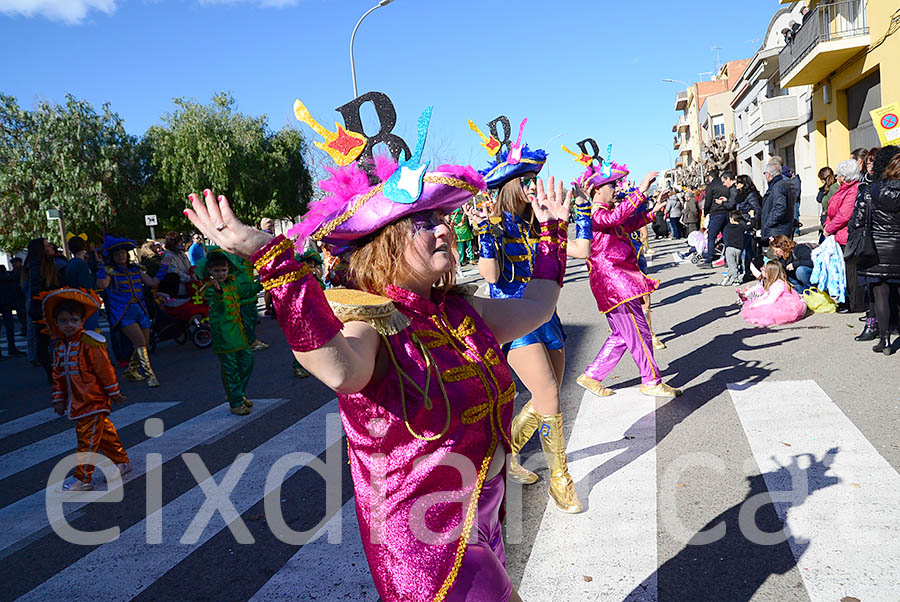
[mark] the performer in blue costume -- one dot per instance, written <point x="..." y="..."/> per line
<point x="124" y="282"/>
<point x="508" y="242"/>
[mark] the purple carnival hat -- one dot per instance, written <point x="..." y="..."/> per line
<point x="604" y="172"/>
<point x="364" y="198"/>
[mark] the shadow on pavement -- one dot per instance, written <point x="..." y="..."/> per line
<point x="724" y="561"/>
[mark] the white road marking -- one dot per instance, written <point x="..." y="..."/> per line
<point x="26" y="422"/>
<point x="845" y="531"/>
<point x="306" y="435"/>
<point x="329" y="571"/>
<point x="615" y="478"/>
<point x="60" y="443"/>
<point x="29" y="516"/>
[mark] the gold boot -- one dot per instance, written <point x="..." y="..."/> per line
<point x="657" y="344"/>
<point x="562" y="488"/>
<point x="145" y="365"/>
<point x="594" y="386"/>
<point x="133" y="371"/>
<point x="660" y="390"/>
<point x="523" y="427"/>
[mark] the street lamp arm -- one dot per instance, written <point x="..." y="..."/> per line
<point x="677" y="81"/>
<point x="352" y="37"/>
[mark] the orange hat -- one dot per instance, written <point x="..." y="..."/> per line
<point x="89" y="300"/>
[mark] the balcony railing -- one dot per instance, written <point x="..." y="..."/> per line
<point x="773" y="117"/>
<point x="827" y="22"/>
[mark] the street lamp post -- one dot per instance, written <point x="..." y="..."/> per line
<point x="677" y="81"/>
<point x="353" y="35"/>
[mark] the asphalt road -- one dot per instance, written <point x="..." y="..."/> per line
<point x="799" y="408"/>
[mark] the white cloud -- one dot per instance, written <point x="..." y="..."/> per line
<point x="68" y="11"/>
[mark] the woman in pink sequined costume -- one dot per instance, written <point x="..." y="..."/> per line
<point x="616" y="279"/>
<point x="427" y="409"/>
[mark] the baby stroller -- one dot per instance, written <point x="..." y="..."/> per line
<point x="178" y="319"/>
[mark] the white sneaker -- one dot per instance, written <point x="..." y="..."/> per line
<point x="726" y="281"/>
<point x="78" y="485"/>
<point x="677" y="258"/>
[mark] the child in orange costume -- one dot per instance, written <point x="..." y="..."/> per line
<point x="84" y="381"/>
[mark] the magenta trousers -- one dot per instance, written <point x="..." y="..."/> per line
<point x="482" y="576"/>
<point x="629" y="332"/>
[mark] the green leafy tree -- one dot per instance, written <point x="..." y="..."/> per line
<point x="66" y="157"/>
<point x="199" y="146"/>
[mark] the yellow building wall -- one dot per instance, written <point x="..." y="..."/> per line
<point x="832" y="136"/>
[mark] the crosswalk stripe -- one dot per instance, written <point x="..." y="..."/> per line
<point x="845" y="528"/>
<point x="29" y="516"/>
<point x="330" y="571"/>
<point x="26" y="422"/>
<point x="612" y="458"/>
<point x="60" y="443"/>
<point x="307" y="435"/>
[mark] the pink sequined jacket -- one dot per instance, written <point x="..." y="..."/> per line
<point x="613" y="264"/>
<point x="420" y="439"/>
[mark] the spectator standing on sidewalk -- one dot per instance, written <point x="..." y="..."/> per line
<point x="19" y="305"/>
<point x="9" y="291"/>
<point x="690" y="212"/>
<point x="840" y="209"/>
<point x="721" y="199"/>
<point x="78" y="275"/>
<point x="196" y="251"/>
<point x="777" y="214"/>
<point x="40" y="274"/>
<point x="178" y="261"/>
<point x="674" y="210"/>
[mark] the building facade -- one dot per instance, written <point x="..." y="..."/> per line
<point x="847" y="52"/>
<point x="771" y="120"/>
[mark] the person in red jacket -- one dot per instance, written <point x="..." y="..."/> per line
<point x="84" y="381"/>
<point x="840" y="207"/>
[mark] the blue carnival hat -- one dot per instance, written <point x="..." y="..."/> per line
<point x="112" y="243"/>
<point x="507" y="165"/>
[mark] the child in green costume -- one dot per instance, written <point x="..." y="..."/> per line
<point x="225" y="293"/>
<point x="464" y="236"/>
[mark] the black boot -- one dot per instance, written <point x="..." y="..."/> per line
<point x="883" y="345"/>
<point x="869" y="331"/>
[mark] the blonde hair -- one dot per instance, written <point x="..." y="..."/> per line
<point x="512" y="199"/>
<point x="772" y="272"/>
<point x="383" y="260"/>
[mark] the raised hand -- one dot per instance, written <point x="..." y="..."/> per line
<point x="213" y="217"/>
<point x="648" y="181"/>
<point x="551" y="203"/>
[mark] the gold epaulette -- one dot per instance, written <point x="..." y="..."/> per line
<point x="92" y="337"/>
<point x="351" y="305"/>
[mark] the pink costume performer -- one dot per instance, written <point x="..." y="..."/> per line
<point x="618" y="283"/>
<point x="422" y="436"/>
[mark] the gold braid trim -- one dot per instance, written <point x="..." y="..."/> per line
<point x="285" y="245"/>
<point x="354" y="207"/>
<point x="330" y="226"/>
<point x="350" y="305"/>
<point x="294" y="276"/>
<point x="504" y="164"/>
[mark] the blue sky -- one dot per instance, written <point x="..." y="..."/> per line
<point x="569" y="66"/>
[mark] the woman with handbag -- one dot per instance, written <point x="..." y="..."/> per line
<point x="840" y="210"/>
<point x="881" y="270"/>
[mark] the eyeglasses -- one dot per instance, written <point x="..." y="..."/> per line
<point x="528" y="181"/>
<point x="426" y="221"/>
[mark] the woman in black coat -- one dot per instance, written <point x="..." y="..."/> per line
<point x="881" y="272"/>
<point x="749" y="203"/>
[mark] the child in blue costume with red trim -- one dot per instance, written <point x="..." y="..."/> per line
<point x="508" y="243"/>
<point x="124" y="283"/>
